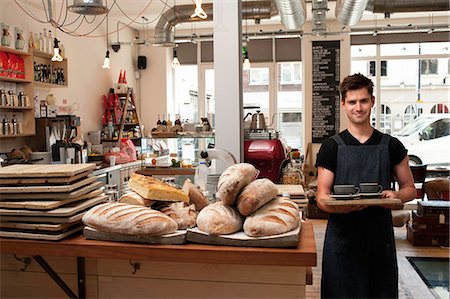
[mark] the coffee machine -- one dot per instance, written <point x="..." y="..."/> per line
<point x="267" y="151"/>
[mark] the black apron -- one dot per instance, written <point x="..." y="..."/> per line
<point x="359" y="257"/>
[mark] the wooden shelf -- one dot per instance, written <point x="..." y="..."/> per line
<point x="14" y="136"/>
<point x="18" y="80"/>
<point x="39" y="84"/>
<point x="41" y="54"/>
<point x="15" y="108"/>
<point x="14" y="51"/>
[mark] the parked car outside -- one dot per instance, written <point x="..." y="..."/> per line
<point x="427" y="139"/>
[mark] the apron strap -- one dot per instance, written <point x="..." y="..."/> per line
<point x="338" y="139"/>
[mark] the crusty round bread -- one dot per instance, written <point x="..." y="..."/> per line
<point x="219" y="219"/>
<point x="233" y="179"/>
<point x="255" y="195"/>
<point x="129" y="219"/>
<point x="195" y="195"/>
<point x="276" y="217"/>
<point x="185" y="217"/>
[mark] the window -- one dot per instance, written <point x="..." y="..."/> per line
<point x="439" y="108"/>
<point x="411" y="112"/>
<point x="290" y="73"/>
<point x="372" y="68"/>
<point x="438" y="129"/>
<point x="259" y="76"/>
<point x="186" y="92"/>
<point x="428" y="66"/>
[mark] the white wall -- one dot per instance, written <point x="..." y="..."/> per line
<point x="87" y="80"/>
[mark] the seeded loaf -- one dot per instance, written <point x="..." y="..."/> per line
<point x="129" y="219"/>
<point x="184" y="216"/>
<point x="233" y="179"/>
<point x="133" y="198"/>
<point x="219" y="219"/>
<point x="276" y="217"/>
<point x="151" y="188"/>
<point x="195" y="195"/>
<point x="255" y="195"/>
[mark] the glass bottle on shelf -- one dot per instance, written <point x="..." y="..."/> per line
<point x="36" y="41"/>
<point x="44" y="41"/>
<point x="159" y="121"/>
<point x="164" y="123"/>
<point x="31" y="41"/>
<point x="49" y="42"/>
<point x="177" y="120"/>
<point x="6" y="37"/>
<point x="14" y="126"/>
<point x="5" y="126"/>
<point x="169" y="122"/>
<point x="41" y="42"/>
<point x="20" y="42"/>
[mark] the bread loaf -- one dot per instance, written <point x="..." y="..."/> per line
<point x="133" y="198"/>
<point x="219" y="219"/>
<point x="255" y="195"/>
<point x="233" y="179"/>
<point x="184" y="216"/>
<point x="129" y="219"/>
<point x="275" y="217"/>
<point x="195" y="195"/>
<point x="151" y="188"/>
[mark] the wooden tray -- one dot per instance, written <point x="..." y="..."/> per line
<point x="44" y="170"/>
<point x="51" y="196"/>
<point x="293" y="190"/>
<point x="65" y="211"/>
<point x="48" y="204"/>
<point x="176" y="238"/>
<point x="364" y="202"/>
<point x="47" y="188"/>
<point x="43" y="180"/>
<point x="40" y="236"/>
<point x="38" y="226"/>
<point x="289" y="239"/>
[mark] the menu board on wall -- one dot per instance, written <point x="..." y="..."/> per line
<point x="325" y="89"/>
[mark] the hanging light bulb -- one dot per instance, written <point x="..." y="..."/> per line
<point x="246" y="65"/>
<point x="199" y="12"/>
<point x="106" y="64"/>
<point x="175" y="61"/>
<point x="56" y="55"/>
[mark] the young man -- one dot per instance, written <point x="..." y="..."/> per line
<point x="359" y="258"/>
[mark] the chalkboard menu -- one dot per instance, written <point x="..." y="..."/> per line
<point x="325" y="89"/>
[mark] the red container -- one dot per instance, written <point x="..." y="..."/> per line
<point x="268" y="156"/>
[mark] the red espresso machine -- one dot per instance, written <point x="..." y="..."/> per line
<point x="267" y="152"/>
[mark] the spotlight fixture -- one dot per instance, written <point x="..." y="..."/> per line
<point x="375" y="33"/>
<point x="106" y="64"/>
<point x="175" y="61"/>
<point x="430" y="31"/>
<point x="387" y="15"/>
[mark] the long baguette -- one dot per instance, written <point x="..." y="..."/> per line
<point x="129" y="219"/>
<point x="275" y="217"/>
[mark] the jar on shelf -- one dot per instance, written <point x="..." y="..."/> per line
<point x="6" y="37"/>
<point x="292" y="174"/>
<point x="20" y="41"/>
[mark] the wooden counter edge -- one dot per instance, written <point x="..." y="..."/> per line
<point x="304" y="255"/>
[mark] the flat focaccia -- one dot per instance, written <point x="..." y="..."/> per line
<point x="133" y="198"/>
<point x="151" y="188"/>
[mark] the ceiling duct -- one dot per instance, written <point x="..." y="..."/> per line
<point x="292" y="13"/>
<point x="182" y="14"/>
<point x="349" y="12"/>
<point x="88" y="7"/>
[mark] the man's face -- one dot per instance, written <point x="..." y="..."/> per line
<point x="357" y="105"/>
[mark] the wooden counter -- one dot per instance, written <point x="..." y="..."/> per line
<point x="171" y="271"/>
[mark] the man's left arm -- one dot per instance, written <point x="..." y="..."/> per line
<point x="405" y="180"/>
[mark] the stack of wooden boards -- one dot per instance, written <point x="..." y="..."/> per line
<point x="430" y="225"/>
<point x="46" y="201"/>
<point x="296" y="194"/>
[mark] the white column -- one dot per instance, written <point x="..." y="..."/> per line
<point x="228" y="76"/>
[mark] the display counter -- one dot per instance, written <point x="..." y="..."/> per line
<point x="171" y="271"/>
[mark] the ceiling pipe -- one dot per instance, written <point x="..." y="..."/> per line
<point x="349" y="12"/>
<point x="182" y="14"/>
<point x="292" y="13"/>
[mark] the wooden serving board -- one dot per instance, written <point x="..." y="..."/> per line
<point x="289" y="239"/>
<point x="38" y="226"/>
<point x="44" y="170"/>
<point x="40" y="236"/>
<point x="48" y="204"/>
<point x="43" y="180"/>
<point x="293" y="190"/>
<point x="364" y="202"/>
<point x="48" y="188"/>
<point x="46" y="220"/>
<point x="176" y="238"/>
<point x="65" y="211"/>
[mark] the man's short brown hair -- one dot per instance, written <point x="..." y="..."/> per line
<point x="354" y="82"/>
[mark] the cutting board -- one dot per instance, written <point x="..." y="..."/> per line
<point x="38" y="226"/>
<point x="289" y="239"/>
<point x="293" y="190"/>
<point x="44" y="170"/>
<point x="46" y="220"/>
<point x="65" y="211"/>
<point x="47" y="188"/>
<point x="364" y="202"/>
<point x="48" y="204"/>
<point x="52" y="196"/>
<point x="43" y="180"/>
<point x="176" y="238"/>
<point x="40" y="236"/>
